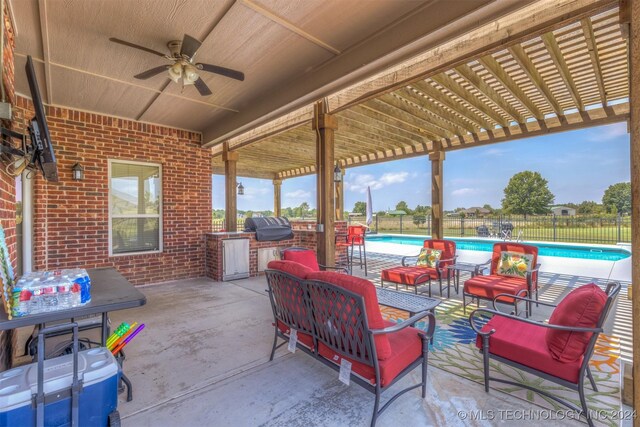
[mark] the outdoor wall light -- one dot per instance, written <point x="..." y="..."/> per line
<point x="240" y="189"/>
<point x="337" y="173"/>
<point x="78" y="172"/>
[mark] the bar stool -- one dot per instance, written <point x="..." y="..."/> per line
<point x="355" y="237"/>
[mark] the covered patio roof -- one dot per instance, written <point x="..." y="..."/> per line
<point x="567" y="72"/>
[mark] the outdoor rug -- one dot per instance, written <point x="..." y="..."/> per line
<point x="454" y="350"/>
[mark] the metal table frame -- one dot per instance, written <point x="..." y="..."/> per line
<point x="456" y="268"/>
<point x="110" y="291"/>
<point x="406" y="301"/>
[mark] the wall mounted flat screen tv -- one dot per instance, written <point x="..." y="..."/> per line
<point x="41" y="149"/>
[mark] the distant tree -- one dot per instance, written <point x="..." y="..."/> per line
<point x="488" y="207"/>
<point x="248" y="214"/>
<point x="589" y="207"/>
<point x="402" y="206"/>
<point x="527" y="193"/>
<point x="618" y="196"/>
<point x="381" y="213"/>
<point x="288" y="212"/>
<point x="420" y="209"/>
<point x="419" y="220"/>
<point x="360" y="208"/>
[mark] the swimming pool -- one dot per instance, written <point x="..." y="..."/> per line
<point x="545" y="249"/>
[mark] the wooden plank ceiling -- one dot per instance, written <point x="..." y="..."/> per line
<point x="572" y="77"/>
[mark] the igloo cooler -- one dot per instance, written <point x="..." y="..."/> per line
<point x="79" y="389"/>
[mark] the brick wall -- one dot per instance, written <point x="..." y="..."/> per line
<point x="71" y="217"/>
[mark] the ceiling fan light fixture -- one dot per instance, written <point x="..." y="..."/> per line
<point x="175" y="72"/>
<point x="190" y="74"/>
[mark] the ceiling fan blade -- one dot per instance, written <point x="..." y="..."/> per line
<point x="189" y="46"/>
<point x="227" y="72"/>
<point x="152" y="72"/>
<point x="202" y="87"/>
<point x="135" y="46"/>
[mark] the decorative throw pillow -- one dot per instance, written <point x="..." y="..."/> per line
<point x="428" y="257"/>
<point x="514" y="264"/>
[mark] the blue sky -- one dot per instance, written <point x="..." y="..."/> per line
<point x="579" y="165"/>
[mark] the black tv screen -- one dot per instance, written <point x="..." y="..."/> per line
<point x="41" y="148"/>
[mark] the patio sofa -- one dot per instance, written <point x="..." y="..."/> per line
<point x="337" y="320"/>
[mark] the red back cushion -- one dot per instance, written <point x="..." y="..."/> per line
<point x="291" y="267"/>
<point x="448" y="248"/>
<point x="368" y="291"/>
<point x="581" y="308"/>
<point x="307" y="258"/>
<point x="498" y="248"/>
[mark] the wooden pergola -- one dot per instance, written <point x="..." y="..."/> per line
<point x="552" y="66"/>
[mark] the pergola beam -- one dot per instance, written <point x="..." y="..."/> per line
<point x="590" y="118"/>
<point x="561" y="65"/>
<point x="496" y="70"/>
<point x="483" y="87"/>
<point x="422" y="126"/>
<point x="527" y="66"/>
<point x="595" y="57"/>
<point x="436" y="94"/>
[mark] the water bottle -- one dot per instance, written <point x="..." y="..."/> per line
<point x="36" y="300"/>
<point x="76" y="299"/>
<point x="24" y="306"/>
<point x="64" y="297"/>
<point x="49" y="299"/>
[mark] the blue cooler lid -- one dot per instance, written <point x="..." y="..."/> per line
<point x="19" y="384"/>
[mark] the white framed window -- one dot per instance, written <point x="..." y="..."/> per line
<point x="135" y="207"/>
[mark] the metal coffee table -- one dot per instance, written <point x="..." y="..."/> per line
<point x="406" y="301"/>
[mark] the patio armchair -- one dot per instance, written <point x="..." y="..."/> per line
<point x="355" y="237"/>
<point x="513" y="272"/>
<point x="558" y="351"/>
<point x="338" y="322"/>
<point x="416" y="273"/>
<point x="308" y="258"/>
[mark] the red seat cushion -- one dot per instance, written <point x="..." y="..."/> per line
<point x="411" y="276"/>
<point x="526" y="344"/>
<point x="368" y="291"/>
<point x="307" y="258"/>
<point x="490" y="286"/>
<point x="581" y="308"/>
<point x="304" y="338"/>
<point x="291" y="267"/>
<point x="406" y="348"/>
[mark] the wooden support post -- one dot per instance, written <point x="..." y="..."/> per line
<point x="324" y="125"/>
<point x="436" y="157"/>
<point x="230" y="159"/>
<point x="340" y="199"/>
<point x="632" y="13"/>
<point x="277" y="197"/>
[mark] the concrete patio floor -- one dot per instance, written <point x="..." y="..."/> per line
<point x="203" y="359"/>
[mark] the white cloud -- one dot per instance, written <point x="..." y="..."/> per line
<point x="359" y="182"/>
<point x="298" y="194"/>
<point x="495" y="152"/>
<point x="607" y="133"/>
<point x="463" y="191"/>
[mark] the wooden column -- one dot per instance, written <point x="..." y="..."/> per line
<point x="630" y="18"/>
<point x="340" y="199"/>
<point x="436" y="157"/>
<point x="325" y="124"/>
<point x="230" y="159"/>
<point x="277" y="197"/>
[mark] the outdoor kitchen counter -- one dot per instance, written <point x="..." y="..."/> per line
<point x="304" y="235"/>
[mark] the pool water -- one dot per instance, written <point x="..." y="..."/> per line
<point x="544" y="249"/>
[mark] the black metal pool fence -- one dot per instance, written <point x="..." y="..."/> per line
<point x="605" y="229"/>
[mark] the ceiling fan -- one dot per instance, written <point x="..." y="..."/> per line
<point x="182" y="67"/>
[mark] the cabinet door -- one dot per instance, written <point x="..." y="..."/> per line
<point x="235" y="259"/>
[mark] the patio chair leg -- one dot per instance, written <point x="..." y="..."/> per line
<point x="364" y="250"/>
<point x="591" y="380"/>
<point x="425" y="361"/>
<point x="275" y="341"/>
<point x="485" y="361"/>
<point x="464" y="303"/>
<point x="375" y="406"/>
<point x="583" y="403"/>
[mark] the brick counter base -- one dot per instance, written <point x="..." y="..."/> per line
<point x="302" y="237"/>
